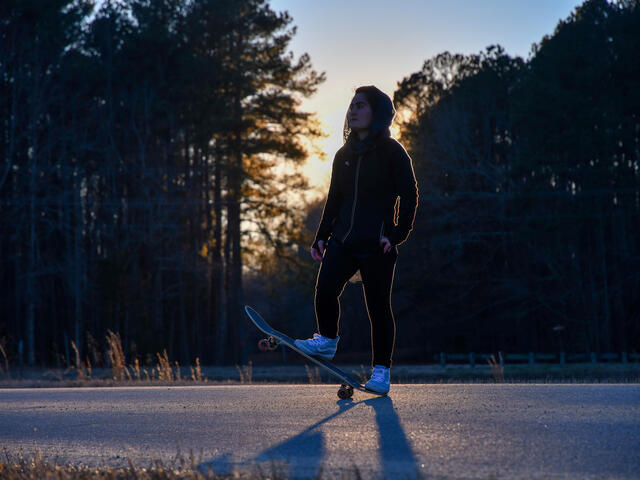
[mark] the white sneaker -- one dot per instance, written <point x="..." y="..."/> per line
<point x="380" y="379"/>
<point x="319" y="346"/>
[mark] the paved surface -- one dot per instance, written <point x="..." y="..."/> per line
<point x="452" y="431"/>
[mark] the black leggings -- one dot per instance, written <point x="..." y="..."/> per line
<point x="339" y="264"/>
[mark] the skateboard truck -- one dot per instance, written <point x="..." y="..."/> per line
<point x="270" y="343"/>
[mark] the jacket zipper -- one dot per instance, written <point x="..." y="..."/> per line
<point x="355" y="199"/>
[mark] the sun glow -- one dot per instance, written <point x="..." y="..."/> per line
<point x="331" y="117"/>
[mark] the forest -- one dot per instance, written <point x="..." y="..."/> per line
<point x="150" y="185"/>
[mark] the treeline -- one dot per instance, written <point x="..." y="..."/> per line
<point x="138" y="143"/>
<point x="138" y="195"/>
<point x="528" y="236"/>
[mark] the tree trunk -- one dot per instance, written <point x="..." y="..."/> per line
<point x="78" y="283"/>
<point x="31" y="269"/>
<point x="218" y="265"/>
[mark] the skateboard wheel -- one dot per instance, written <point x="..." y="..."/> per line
<point x="263" y="345"/>
<point x="273" y="343"/>
<point x="345" y="391"/>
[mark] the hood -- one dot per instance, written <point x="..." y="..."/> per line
<point x="383" y="115"/>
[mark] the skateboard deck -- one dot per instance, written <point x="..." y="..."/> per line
<point x="349" y="382"/>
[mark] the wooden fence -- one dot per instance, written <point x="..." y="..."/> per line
<point x="531" y="358"/>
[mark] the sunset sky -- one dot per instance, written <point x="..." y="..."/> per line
<point x="377" y="42"/>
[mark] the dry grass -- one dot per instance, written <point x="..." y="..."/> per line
<point x="497" y="368"/>
<point x="110" y="368"/>
<point x="83" y="369"/>
<point x="4" y="355"/>
<point x="196" y="374"/>
<point x="116" y="356"/>
<point x="363" y="374"/>
<point x="81" y="372"/>
<point x="135" y="370"/>
<point x="313" y="375"/>
<point x="19" y="467"/>
<point x="165" y="372"/>
<point x="245" y="372"/>
<point x="35" y="467"/>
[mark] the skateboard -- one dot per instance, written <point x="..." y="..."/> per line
<point x="349" y="382"/>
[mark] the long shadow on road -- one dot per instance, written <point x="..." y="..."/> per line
<point x="303" y="454"/>
<point x="396" y="455"/>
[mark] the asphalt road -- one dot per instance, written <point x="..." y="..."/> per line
<point x="452" y="431"/>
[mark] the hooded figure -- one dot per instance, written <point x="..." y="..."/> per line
<point x="360" y="230"/>
<point x="383" y="115"/>
<point x="367" y="177"/>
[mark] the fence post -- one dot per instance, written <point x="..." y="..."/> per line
<point x="442" y="359"/>
<point x="561" y="358"/>
<point x="593" y="357"/>
<point x="472" y="360"/>
<point x="531" y="360"/>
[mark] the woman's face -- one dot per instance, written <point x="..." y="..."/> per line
<point x="359" y="112"/>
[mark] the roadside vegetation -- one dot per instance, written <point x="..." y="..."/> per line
<point x="35" y="467"/>
<point x="115" y="370"/>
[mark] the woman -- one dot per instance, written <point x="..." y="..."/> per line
<point x="358" y="229"/>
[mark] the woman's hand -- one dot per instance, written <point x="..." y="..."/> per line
<point x="384" y="241"/>
<point x="317" y="254"/>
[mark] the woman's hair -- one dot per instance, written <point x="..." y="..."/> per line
<point x="382" y="111"/>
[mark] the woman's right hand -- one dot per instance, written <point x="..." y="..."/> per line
<point x="317" y="254"/>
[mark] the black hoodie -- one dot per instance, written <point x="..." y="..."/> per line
<point x="367" y="178"/>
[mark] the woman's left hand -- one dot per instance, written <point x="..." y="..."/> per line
<point x="384" y="241"/>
